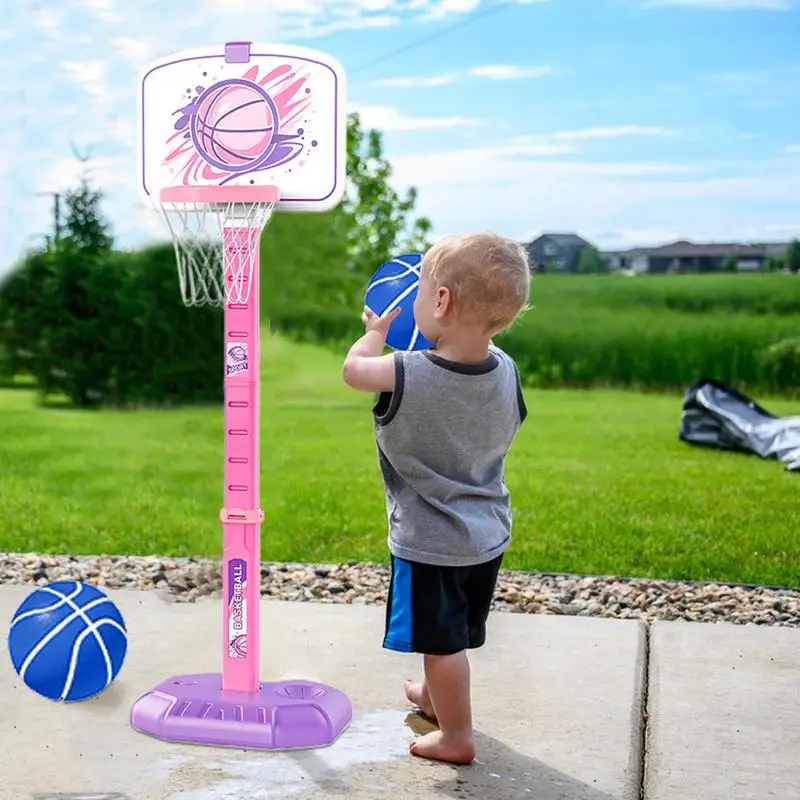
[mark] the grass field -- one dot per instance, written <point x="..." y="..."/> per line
<point x="600" y="482"/>
<point x="652" y="331"/>
<point x="660" y="331"/>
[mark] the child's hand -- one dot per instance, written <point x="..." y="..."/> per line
<point x="372" y="322"/>
<point x="365" y="368"/>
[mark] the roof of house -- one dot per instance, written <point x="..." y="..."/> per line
<point x="685" y="249"/>
<point x="690" y="249"/>
<point x="563" y="239"/>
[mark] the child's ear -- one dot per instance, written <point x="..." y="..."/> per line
<point x="444" y="301"/>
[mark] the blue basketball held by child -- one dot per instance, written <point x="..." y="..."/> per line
<point x="395" y="285"/>
<point x="67" y="641"/>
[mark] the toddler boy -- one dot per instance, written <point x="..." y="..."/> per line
<point x="444" y="421"/>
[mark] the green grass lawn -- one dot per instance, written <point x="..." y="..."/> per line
<point x="600" y="482"/>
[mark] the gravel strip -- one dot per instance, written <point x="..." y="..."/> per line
<point x="186" y="580"/>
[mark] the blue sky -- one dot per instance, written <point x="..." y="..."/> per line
<point x="630" y="121"/>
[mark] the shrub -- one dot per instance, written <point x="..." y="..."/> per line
<point x="782" y="363"/>
<point x="165" y="353"/>
<point x="109" y="328"/>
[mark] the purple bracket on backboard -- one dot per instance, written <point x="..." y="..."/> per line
<point x="237" y="52"/>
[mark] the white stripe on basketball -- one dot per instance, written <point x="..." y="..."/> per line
<point x="76" y="649"/>
<point x="45" y="640"/>
<point x="399" y="299"/>
<point x="34" y="611"/>
<point x="90" y="628"/>
<point x="389" y="278"/>
<point x="409" y="267"/>
<point x="414" y="337"/>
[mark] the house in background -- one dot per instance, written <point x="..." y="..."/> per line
<point x="684" y="256"/>
<point x="555" y="252"/>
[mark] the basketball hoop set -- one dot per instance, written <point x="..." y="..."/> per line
<point x="229" y="135"/>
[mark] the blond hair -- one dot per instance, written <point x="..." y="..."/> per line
<point x="488" y="277"/>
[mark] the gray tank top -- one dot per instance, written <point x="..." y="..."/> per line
<point x="442" y="438"/>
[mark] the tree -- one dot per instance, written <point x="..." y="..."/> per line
<point x="792" y="256"/>
<point x="60" y="305"/>
<point x="82" y="320"/>
<point x="773" y="264"/>
<point x="315" y="267"/>
<point x="163" y="353"/>
<point x="78" y="357"/>
<point x="590" y="262"/>
<point x="84" y="223"/>
<point x="26" y="305"/>
<point x="380" y="219"/>
<point x="730" y="263"/>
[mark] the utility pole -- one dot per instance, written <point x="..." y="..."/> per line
<point x="57" y="217"/>
<point x="56" y="213"/>
<point x="84" y="160"/>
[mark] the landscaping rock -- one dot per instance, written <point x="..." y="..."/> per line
<point x="187" y="579"/>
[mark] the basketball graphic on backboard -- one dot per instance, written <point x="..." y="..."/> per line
<point x="233" y="124"/>
<point x="245" y="114"/>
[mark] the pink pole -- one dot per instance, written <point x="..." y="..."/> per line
<point x="241" y="516"/>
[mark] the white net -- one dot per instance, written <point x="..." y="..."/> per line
<point x="216" y="247"/>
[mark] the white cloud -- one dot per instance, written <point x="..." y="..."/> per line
<point x="612" y="132"/>
<point x="516" y="163"/>
<point x="787" y="230"/>
<point x="391" y="119"/>
<point x="513" y="187"/>
<point x="62" y="174"/>
<point x="104" y="10"/>
<point x="793" y="148"/>
<point x="275" y="20"/>
<point x="137" y="50"/>
<point x="522" y="146"/>
<point x="757" y="90"/>
<point x="419" y="82"/>
<point x="313" y="30"/>
<point x="509" y="72"/>
<point x="727" y="5"/>
<point x="443" y="8"/>
<point x="436" y="9"/>
<point x="632" y="237"/>
<point x="121" y="129"/>
<point x="47" y="21"/>
<point x="744" y="81"/>
<point x="495" y="72"/>
<point x="305" y="19"/>
<point x="91" y="76"/>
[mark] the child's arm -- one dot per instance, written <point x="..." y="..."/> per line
<point x="366" y="368"/>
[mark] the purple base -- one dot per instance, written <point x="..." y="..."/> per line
<point x="280" y="716"/>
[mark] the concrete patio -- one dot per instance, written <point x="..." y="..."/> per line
<point x="566" y="708"/>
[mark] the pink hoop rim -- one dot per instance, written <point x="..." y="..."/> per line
<point x="220" y="194"/>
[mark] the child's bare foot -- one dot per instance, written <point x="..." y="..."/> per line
<point x="418" y="695"/>
<point x="438" y="747"/>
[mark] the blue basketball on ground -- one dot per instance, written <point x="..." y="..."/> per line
<point x="395" y="284"/>
<point x="67" y="641"/>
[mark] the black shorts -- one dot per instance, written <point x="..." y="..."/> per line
<point x="438" y="611"/>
